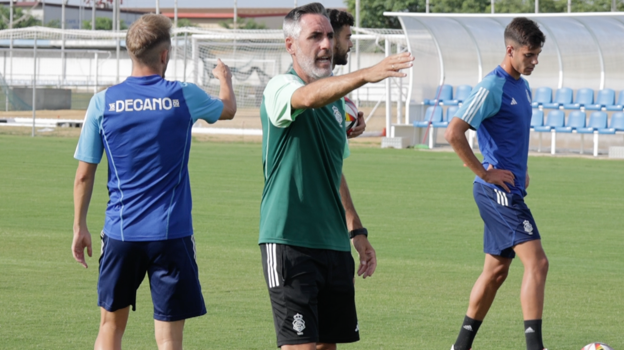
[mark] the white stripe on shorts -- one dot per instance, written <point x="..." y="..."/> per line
<point x="501" y="198"/>
<point x="272" y="265"/>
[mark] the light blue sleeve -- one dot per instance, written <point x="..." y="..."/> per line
<point x="200" y="104"/>
<point x="90" y="147"/>
<point x="483" y="102"/>
<point x="277" y="99"/>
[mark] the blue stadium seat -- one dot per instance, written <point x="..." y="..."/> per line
<point x="436" y="112"/>
<point x="619" y="107"/>
<point x="555" y="119"/>
<point x="606" y="97"/>
<point x="462" y="93"/>
<point x="617" y="124"/>
<point x="562" y="97"/>
<point x="597" y="120"/>
<point x="542" y="95"/>
<point x="445" y="94"/>
<point x="537" y="118"/>
<point x="584" y="97"/>
<point x="576" y="120"/>
<point x="450" y="112"/>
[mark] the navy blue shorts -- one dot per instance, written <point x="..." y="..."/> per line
<point x="508" y="221"/>
<point x="171" y="269"/>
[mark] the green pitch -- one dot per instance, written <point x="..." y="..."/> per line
<point x="422" y="220"/>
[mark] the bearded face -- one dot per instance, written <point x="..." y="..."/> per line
<point x="342" y="45"/>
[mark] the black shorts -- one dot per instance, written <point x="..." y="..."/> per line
<point x="312" y="294"/>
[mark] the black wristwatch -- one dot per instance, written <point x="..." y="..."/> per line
<point x="357" y="232"/>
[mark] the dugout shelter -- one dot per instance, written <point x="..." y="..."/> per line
<point x="582" y="50"/>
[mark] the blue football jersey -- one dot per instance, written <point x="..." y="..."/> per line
<point x="144" y="126"/>
<point x="499" y="108"/>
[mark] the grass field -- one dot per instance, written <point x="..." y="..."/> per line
<point x="422" y="220"/>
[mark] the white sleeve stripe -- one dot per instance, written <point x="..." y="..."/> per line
<point x="463" y="117"/>
<point x="476" y="104"/>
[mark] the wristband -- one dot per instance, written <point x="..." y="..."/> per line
<point x="358" y="231"/>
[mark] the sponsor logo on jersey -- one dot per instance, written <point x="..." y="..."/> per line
<point x="298" y="324"/>
<point x="513" y="101"/>
<point x="528" y="228"/>
<point x="337" y="114"/>
<point x="148" y="104"/>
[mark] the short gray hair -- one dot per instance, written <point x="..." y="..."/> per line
<point x="292" y="27"/>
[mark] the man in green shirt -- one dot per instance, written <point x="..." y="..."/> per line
<point x="306" y="215"/>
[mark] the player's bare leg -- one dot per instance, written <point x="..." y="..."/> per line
<point x="534" y="280"/>
<point x="169" y="334"/>
<point x="495" y="270"/>
<point x="112" y="327"/>
<point x="532" y="293"/>
<point x="306" y="346"/>
<point x="325" y="346"/>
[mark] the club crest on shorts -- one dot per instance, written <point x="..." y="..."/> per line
<point x="298" y="324"/>
<point x="337" y="114"/>
<point x="528" y="228"/>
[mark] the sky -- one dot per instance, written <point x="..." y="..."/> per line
<point x="217" y="4"/>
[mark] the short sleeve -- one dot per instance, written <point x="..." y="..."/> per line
<point x="277" y="99"/>
<point x="200" y="104"/>
<point x="483" y="102"/>
<point x="90" y="147"/>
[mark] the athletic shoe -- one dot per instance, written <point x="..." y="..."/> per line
<point x="453" y="347"/>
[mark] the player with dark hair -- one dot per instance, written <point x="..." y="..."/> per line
<point x="341" y="22"/>
<point x="144" y="126"/>
<point x="306" y="214"/>
<point x="499" y="108"/>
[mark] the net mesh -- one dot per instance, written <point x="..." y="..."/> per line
<point x="254" y="57"/>
<point x="87" y="61"/>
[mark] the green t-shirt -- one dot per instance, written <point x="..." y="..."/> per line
<point x="302" y="154"/>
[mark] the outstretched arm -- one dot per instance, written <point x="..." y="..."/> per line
<point x="456" y="135"/>
<point x="327" y="90"/>
<point x="83" y="188"/>
<point x="226" y="91"/>
<point x="368" y="258"/>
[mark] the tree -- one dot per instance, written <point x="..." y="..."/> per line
<point x="20" y="19"/>
<point x="103" y="23"/>
<point x="243" y="24"/>
<point x="55" y="23"/>
<point x="371" y="11"/>
<point x="185" y="22"/>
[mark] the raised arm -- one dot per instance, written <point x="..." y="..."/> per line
<point x="226" y="92"/>
<point x="83" y="188"/>
<point x="368" y="257"/>
<point x="327" y="90"/>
